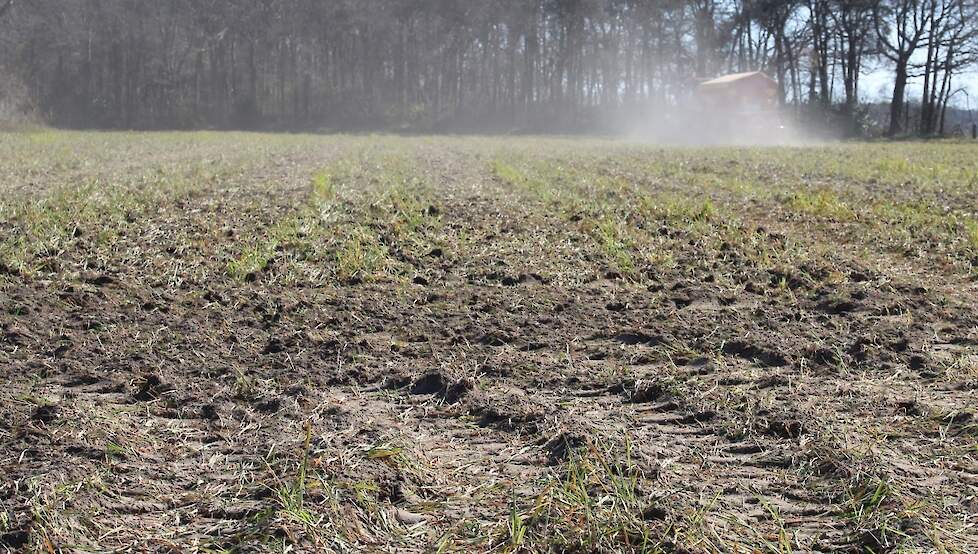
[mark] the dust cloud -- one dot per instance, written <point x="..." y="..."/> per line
<point x="739" y="110"/>
<point x="704" y="126"/>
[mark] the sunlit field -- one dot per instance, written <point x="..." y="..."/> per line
<point x="246" y="342"/>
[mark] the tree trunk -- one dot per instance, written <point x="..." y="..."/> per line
<point x="896" y="103"/>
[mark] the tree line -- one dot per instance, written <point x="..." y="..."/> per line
<point x="466" y="64"/>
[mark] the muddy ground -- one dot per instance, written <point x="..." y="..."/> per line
<point x="251" y="343"/>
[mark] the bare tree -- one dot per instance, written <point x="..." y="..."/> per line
<point x="900" y="27"/>
<point x="441" y="64"/>
<point x="773" y="16"/>
<point x="949" y="49"/>
<point x="853" y="27"/>
<point x="821" y="38"/>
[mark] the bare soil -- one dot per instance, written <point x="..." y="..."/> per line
<point x="248" y="343"/>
